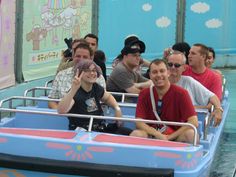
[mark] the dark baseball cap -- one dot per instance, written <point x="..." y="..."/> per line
<point x="133" y="47"/>
<point x="135" y="40"/>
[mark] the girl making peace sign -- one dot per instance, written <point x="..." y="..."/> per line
<point x="84" y="98"/>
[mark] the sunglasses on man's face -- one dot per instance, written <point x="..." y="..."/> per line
<point x="176" y="65"/>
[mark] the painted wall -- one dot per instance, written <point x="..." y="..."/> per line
<point x="19" y="89"/>
<point x="7" y="42"/>
<point x="46" y="23"/>
<point x="213" y="23"/>
<point x="152" y="21"/>
<point x="209" y="22"/>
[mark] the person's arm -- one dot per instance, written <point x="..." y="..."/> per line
<point x="110" y="100"/>
<point x="67" y="101"/>
<point x="101" y="81"/>
<point x="218" y="110"/>
<point x="145" y="63"/>
<point x="192" y="120"/>
<point x="52" y="104"/>
<point x="145" y="84"/>
<point x="137" y="87"/>
<point x="133" y="89"/>
<point x="150" y="130"/>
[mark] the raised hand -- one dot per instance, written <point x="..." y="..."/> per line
<point x="76" y="83"/>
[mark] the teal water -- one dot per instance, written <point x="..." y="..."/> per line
<point x="224" y="162"/>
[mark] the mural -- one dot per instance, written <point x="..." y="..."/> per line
<point x="46" y="24"/>
<point x="7" y="42"/>
<point x="155" y="23"/>
<point x="152" y="21"/>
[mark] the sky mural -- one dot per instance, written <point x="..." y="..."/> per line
<point x="213" y="24"/>
<point x="155" y="23"/>
<point x="47" y="22"/>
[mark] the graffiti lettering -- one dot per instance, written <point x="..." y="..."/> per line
<point x="47" y="56"/>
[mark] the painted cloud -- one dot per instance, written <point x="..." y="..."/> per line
<point x="200" y="7"/>
<point x="147" y="7"/>
<point x="213" y="23"/>
<point x="163" y="22"/>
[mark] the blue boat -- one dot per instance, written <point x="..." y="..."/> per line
<point x="34" y="141"/>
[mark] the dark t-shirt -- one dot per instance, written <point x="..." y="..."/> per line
<point x="87" y="103"/>
<point x="121" y="78"/>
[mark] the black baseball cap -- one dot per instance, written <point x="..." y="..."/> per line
<point x="133" y="47"/>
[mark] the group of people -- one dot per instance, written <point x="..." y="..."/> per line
<point x="173" y="88"/>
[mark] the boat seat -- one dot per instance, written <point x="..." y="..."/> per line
<point x="41" y="103"/>
<point x="40" y="133"/>
<point x="137" y="141"/>
<point x="30" y="120"/>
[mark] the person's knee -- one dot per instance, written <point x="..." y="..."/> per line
<point x="189" y="136"/>
<point x="139" y="133"/>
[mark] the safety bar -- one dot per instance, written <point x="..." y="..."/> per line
<point x="206" y="126"/>
<point x="144" y="68"/>
<point x="206" y="122"/>
<point x="123" y="95"/>
<point x="224" y="81"/>
<point x="37" y="88"/>
<point x="10" y="99"/>
<point x="48" y="82"/>
<point x="92" y="117"/>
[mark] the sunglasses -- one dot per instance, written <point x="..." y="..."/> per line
<point x="176" y="65"/>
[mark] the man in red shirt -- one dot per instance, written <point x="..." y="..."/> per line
<point x="172" y="103"/>
<point x="197" y="69"/>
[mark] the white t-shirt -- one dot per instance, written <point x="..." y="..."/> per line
<point x="199" y="94"/>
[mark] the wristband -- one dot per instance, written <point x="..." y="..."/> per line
<point x="117" y="108"/>
<point x="220" y="108"/>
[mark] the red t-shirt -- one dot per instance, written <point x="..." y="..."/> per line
<point x="176" y="105"/>
<point x="211" y="80"/>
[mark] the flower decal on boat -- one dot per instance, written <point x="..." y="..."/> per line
<point x="8" y="173"/>
<point x="79" y="152"/>
<point x="188" y="160"/>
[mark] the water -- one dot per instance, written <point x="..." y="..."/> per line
<point x="224" y="163"/>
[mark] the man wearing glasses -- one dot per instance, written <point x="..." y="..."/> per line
<point x="172" y="103"/>
<point x="201" y="97"/>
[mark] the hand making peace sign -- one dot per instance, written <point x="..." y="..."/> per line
<point x="76" y="83"/>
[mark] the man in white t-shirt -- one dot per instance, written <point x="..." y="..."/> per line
<point x="201" y="96"/>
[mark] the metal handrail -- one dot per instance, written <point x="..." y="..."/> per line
<point x="36" y="88"/>
<point x="206" y="126"/>
<point x="91" y="117"/>
<point x="48" y="82"/>
<point x="123" y="95"/>
<point x="48" y="99"/>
